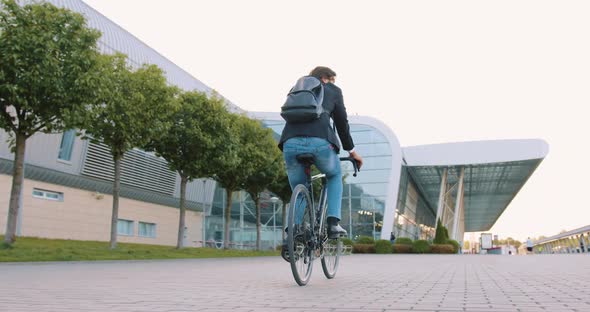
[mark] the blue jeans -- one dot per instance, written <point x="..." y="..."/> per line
<point x="326" y="160"/>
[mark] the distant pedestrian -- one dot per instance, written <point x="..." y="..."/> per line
<point x="392" y="238"/>
<point x="529" y="245"/>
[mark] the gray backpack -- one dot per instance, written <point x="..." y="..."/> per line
<point x="304" y="101"/>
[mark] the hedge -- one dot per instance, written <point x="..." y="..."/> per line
<point x="347" y="241"/>
<point x="421" y="246"/>
<point x="402" y="248"/>
<point x="363" y="248"/>
<point x="403" y="241"/>
<point x="442" y="249"/>
<point x="383" y="247"/>
<point x="365" y="240"/>
<point x="455" y="244"/>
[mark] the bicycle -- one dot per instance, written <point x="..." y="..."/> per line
<point x="307" y="237"/>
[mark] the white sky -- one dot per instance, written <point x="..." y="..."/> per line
<point x="433" y="71"/>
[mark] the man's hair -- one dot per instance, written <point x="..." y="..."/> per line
<point x="322" y="72"/>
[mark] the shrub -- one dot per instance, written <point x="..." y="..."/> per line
<point x="363" y="248"/>
<point x="403" y="241"/>
<point x="365" y="240"/>
<point x="442" y="249"/>
<point x="402" y="248"/>
<point x="421" y="246"/>
<point x="442" y="234"/>
<point x="383" y="247"/>
<point x="455" y="245"/>
<point x="347" y="241"/>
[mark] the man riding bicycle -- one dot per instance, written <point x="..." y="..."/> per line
<point x="318" y="138"/>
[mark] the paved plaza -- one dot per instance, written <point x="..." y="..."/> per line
<point x="363" y="283"/>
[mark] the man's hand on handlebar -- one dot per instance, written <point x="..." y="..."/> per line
<point x="358" y="158"/>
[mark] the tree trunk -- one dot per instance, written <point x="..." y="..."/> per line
<point x="228" y="203"/>
<point x="181" y="223"/>
<point x="258" y="223"/>
<point x="285" y="207"/>
<point x="17" y="178"/>
<point x="116" y="190"/>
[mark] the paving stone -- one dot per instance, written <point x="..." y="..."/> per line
<point x="364" y="282"/>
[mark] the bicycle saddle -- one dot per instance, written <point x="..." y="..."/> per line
<point x="306" y="159"/>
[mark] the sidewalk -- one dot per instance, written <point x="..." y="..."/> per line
<point x="364" y="282"/>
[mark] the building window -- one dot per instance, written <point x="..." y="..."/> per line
<point x="49" y="195"/>
<point x="125" y="227"/>
<point x="147" y="229"/>
<point x="67" y="144"/>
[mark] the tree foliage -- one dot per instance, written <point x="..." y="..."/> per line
<point x="282" y="189"/>
<point x="280" y="185"/>
<point x="265" y="159"/>
<point x="199" y="138"/>
<point x="232" y="174"/>
<point x="48" y="57"/>
<point x="442" y="234"/>
<point x="136" y="106"/>
<point x="197" y="142"/>
<point x="48" y="73"/>
<point x="135" y="110"/>
<point x="507" y="241"/>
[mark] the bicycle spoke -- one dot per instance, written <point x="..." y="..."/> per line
<point x="299" y="234"/>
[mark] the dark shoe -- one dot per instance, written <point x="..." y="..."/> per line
<point x="285" y="251"/>
<point x="336" y="231"/>
<point x="285" y="247"/>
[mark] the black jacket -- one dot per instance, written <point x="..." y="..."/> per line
<point x="334" y="108"/>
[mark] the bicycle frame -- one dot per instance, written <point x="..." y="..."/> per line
<point x="307" y="243"/>
<point x="320" y="213"/>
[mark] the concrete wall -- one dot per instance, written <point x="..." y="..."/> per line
<point x="84" y="215"/>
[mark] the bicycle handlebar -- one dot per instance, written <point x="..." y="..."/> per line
<point x="354" y="164"/>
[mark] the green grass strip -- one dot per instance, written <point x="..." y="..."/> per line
<point x="27" y="249"/>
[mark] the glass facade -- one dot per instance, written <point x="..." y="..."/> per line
<point x="363" y="199"/>
<point x="243" y="221"/>
<point x="414" y="218"/>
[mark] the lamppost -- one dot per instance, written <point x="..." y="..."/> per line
<point x="274" y="220"/>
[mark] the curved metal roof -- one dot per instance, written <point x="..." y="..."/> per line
<point x="495" y="171"/>
<point x="475" y="152"/>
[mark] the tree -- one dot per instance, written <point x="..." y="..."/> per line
<point x="233" y="173"/>
<point x="48" y="59"/>
<point x="507" y="241"/>
<point x="282" y="189"/>
<point x="196" y="143"/>
<point x="442" y="235"/>
<point x="136" y="110"/>
<point x="265" y="159"/>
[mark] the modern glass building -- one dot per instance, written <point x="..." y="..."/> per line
<point x="404" y="190"/>
<point x="400" y="189"/>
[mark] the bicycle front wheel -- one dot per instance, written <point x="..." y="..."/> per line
<point x="301" y="224"/>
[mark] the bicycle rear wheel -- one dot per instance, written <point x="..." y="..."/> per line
<point x="301" y="224"/>
<point x="331" y="251"/>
